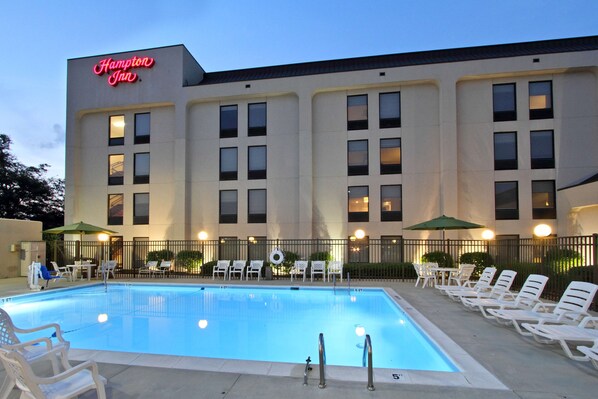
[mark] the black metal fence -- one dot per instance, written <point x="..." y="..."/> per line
<point x="563" y="259"/>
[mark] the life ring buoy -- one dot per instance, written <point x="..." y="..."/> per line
<point x="276" y="256"/>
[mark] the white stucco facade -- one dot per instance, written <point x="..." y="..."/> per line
<point x="447" y="134"/>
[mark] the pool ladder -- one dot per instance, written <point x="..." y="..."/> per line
<point x="367" y="350"/>
<point x="348" y="283"/>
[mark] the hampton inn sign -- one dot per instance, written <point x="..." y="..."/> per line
<point x="119" y="71"/>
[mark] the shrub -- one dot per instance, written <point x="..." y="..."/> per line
<point x="380" y="270"/>
<point x="583" y="273"/>
<point x="324" y="255"/>
<point x="561" y="260"/>
<point x="481" y="260"/>
<point x="163" y="254"/>
<point x="442" y="258"/>
<point x="190" y="260"/>
<point x="208" y="268"/>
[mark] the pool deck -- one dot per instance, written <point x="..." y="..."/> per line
<point x="526" y="369"/>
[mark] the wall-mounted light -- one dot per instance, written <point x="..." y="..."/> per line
<point x="359" y="234"/>
<point x="202" y="235"/>
<point x="542" y="230"/>
<point x="488" y="234"/>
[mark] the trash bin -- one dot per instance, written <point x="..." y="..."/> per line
<point x="267" y="273"/>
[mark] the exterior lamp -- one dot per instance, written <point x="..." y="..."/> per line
<point x="542" y="230"/>
<point x="359" y="234"/>
<point x="488" y="234"/>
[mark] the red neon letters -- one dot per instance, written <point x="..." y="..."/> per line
<point x="119" y="71"/>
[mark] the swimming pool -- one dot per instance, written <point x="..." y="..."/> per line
<point x="279" y="324"/>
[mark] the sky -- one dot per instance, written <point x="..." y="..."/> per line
<point x="37" y="37"/>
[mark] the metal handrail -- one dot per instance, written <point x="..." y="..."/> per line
<point x="349" y="283"/>
<point x="322" y="352"/>
<point x="367" y="347"/>
<point x="307" y="368"/>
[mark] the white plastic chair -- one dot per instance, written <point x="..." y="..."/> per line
<point x="62" y="271"/>
<point x="163" y="267"/>
<point x="299" y="268"/>
<point x="483" y="283"/>
<point x="255" y="267"/>
<point x="335" y="267"/>
<point x="462" y="276"/>
<point x="424" y="274"/>
<point x="590" y="352"/>
<point x="148" y="268"/>
<point x="108" y="269"/>
<point x="32" y="351"/>
<point x="318" y="267"/>
<point x="221" y="267"/>
<point x="571" y="309"/>
<point x="502" y="285"/>
<point x="527" y="297"/>
<point x="237" y="267"/>
<point x="70" y="383"/>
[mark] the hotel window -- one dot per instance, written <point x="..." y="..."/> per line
<point x="142" y="128"/>
<point x="542" y="149"/>
<point x="506" y="200"/>
<point x="357" y="112"/>
<point x="390" y="156"/>
<point x="391" y="208"/>
<point x="256" y="119"/>
<point x="228" y="121"/>
<point x="141" y="169"/>
<point x="543" y="199"/>
<point x="504" y="104"/>
<point x="256" y="206"/>
<point x="391" y="249"/>
<point x="256" y="162"/>
<point x="117" y="130"/>
<point x="540" y="100"/>
<point x="141" y="208"/>
<point x="228" y="163"/>
<point x="228" y="206"/>
<point x="390" y="110"/>
<point x="115" y="209"/>
<point x="359" y="204"/>
<point x="505" y="150"/>
<point x="357" y="157"/>
<point x="116" y="169"/>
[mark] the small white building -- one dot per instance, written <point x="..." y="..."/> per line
<point x="502" y="135"/>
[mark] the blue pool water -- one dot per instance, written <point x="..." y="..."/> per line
<point x="278" y="324"/>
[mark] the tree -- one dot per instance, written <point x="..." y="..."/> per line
<point x="26" y="192"/>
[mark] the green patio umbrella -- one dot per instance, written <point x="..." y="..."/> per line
<point x="444" y="223"/>
<point x="79" y="228"/>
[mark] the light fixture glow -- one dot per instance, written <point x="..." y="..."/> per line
<point x="487" y="234"/>
<point x="542" y="230"/>
<point x="202" y="235"/>
<point x="103" y="237"/>
<point x="102" y="318"/>
<point x="359" y="234"/>
<point x="360" y="331"/>
<point x="202" y="323"/>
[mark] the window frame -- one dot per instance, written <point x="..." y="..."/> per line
<point x="504" y="115"/>
<point x="257" y="217"/>
<point x="386" y="123"/>
<point x="257" y="174"/>
<point x="540" y="113"/>
<point x="507" y="163"/>
<point x="116" y="180"/>
<point x="361" y="216"/>
<point x="138" y="178"/>
<point x="228" y="175"/>
<point x="116" y="219"/>
<point x="253" y="131"/>
<point x="140" y="219"/>
<point x="391" y="216"/>
<point x="142" y="138"/>
<point x="229" y="132"/>
<point x="391" y="168"/>
<point x="388" y="255"/>
<point x="357" y="124"/>
<point x="547" y="212"/>
<point x="358" y="170"/>
<point x="542" y="163"/>
<point x="118" y="140"/>
<point x="505" y="213"/>
<point x="228" y="218"/>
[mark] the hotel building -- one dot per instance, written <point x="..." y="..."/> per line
<point x="504" y="135"/>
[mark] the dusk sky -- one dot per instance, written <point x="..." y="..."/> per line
<point x="38" y="37"/>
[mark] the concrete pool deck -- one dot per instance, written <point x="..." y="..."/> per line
<point x="524" y="369"/>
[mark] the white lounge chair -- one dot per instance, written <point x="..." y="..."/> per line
<point x="299" y="268"/>
<point x="221" y="267"/>
<point x="149" y="268"/>
<point x="237" y="267"/>
<point x="526" y="298"/>
<point x="318" y="267"/>
<point x="255" y="267"/>
<point x="586" y="331"/>
<point x="502" y="285"/>
<point x="483" y="283"/>
<point x="62" y="271"/>
<point x="70" y="383"/>
<point x="571" y="309"/>
<point x="163" y="268"/>
<point x="32" y="351"/>
<point x="108" y="268"/>
<point x="335" y="267"/>
<point x="591" y="353"/>
<point x="462" y="276"/>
